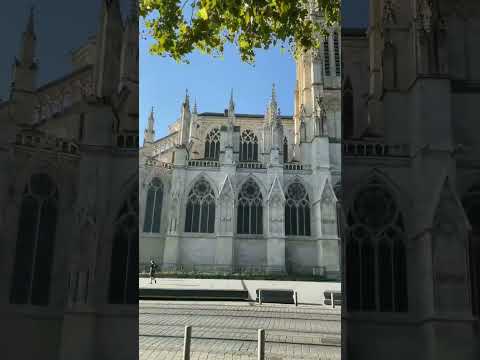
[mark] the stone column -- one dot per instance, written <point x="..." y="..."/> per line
<point x="171" y="253"/>
<point x="276" y="237"/>
<point x="225" y="225"/>
<point x="325" y="214"/>
<point x="276" y="228"/>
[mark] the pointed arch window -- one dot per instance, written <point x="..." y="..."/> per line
<point x="124" y="261"/>
<point x="248" y="146"/>
<point x="200" y="214"/>
<point x="297" y="211"/>
<point x="212" y="145"/>
<point x="336" y="49"/>
<point x="153" y="210"/>
<point x="250" y="209"/>
<point x="32" y="269"/>
<point x="375" y="257"/>
<point x="471" y="203"/>
<point x="347" y="111"/>
<point x="285" y="149"/>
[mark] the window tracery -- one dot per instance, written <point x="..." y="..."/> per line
<point x="248" y="146"/>
<point x="153" y="209"/>
<point x="297" y="210"/>
<point x="200" y="214"/>
<point x="471" y="204"/>
<point x="35" y="242"/>
<point x="212" y="145"/>
<point x="285" y="150"/>
<point x="124" y="266"/>
<point x="250" y="209"/>
<point x="376" y="273"/>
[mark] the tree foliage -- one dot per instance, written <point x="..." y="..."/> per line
<point x="180" y="26"/>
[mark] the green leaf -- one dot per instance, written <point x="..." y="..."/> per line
<point x="203" y="14"/>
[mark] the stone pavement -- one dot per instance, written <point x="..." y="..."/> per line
<point x="309" y="292"/>
<point x="228" y="330"/>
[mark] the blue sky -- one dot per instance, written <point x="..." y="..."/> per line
<point x="209" y="80"/>
<point x="63" y="26"/>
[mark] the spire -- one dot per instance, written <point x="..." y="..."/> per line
<point x="274" y="95"/>
<point x="29" y="40"/>
<point x="273" y="100"/>
<point x="31" y="22"/>
<point x="231" y="105"/>
<point x="24" y="67"/>
<point x="185" y="119"/>
<point x="149" y="135"/>
<point x="186" y="102"/>
<point x="151" y="121"/>
<point x="272" y="108"/>
<point x="195" y="110"/>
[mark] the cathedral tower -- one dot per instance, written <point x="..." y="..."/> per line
<point x="318" y="74"/>
<point x="109" y="49"/>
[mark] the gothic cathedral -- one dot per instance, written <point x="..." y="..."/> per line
<point x="233" y="192"/>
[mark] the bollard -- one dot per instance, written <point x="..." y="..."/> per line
<point x="333" y="303"/>
<point x="260" y="297"/>
<point x="295" y="298"/>
<point x="186" y="342"/>
<point x="261" y="344"/>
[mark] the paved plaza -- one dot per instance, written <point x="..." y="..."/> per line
<point x="228" y="330"/>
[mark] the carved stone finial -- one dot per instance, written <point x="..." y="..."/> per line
<point x="231" y="105"/>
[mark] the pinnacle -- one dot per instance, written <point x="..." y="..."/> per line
<point x="274" y="96"/>
<point x="195" y="106"/>
<point x="31" y="21"/>
<point x="231" y="105"/>
<point x="187" y="99"/>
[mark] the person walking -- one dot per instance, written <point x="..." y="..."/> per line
<point x="153" y="268"/>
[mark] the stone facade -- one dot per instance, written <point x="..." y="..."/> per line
<point x="67" y="150"/>
<point x="300" y="149"/>
<point x="410" y="164"/>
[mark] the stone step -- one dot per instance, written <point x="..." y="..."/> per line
<point x="193" y="294"/>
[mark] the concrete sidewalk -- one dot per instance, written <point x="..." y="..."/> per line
<point x="309" y="292"/>
<point x="229" y="330"/>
